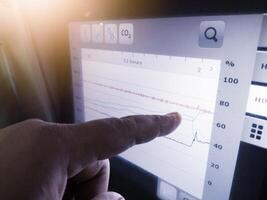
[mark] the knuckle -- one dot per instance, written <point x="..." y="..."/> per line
<point x="160" y="123"/>
<point x="124" y="129"/>
<point x="157" y="119"/>
<point x="49" y="139"/>
<point x="129" y="124"/>
<point x="48" y="133"/>
<point x="120" y="124"/>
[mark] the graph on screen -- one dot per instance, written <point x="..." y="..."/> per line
<point x="117" y="84"/>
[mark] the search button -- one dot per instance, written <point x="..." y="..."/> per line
<point x="211" y="34"/>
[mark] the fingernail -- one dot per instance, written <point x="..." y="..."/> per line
<point x="176" y="115"/>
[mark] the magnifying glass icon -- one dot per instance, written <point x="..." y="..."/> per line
<point x="211" y="33"/>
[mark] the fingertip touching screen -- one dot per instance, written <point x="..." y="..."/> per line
<point x="210" y="69"/>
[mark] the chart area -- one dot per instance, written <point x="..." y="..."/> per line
<point x="117" y="84"/>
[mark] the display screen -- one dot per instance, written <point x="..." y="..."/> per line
<point x="211" y="70"/>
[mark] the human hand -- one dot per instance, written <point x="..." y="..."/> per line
<point x="47" y="161"/>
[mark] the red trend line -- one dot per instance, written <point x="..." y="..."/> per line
<point x="162" y="100"/>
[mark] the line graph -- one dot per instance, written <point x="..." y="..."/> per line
<point x="162" y="100"/>
<point x="195" y="139"/>
<point x="116" y="90"/>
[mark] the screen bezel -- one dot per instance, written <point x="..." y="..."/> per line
<point x="141" y="182"/>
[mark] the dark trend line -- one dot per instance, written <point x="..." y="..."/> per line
<point x="262" y="48"/>
<point x="195" y="139"/>
<point x="259" y="83"/>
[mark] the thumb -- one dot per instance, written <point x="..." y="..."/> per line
<point x="108" y="196"/>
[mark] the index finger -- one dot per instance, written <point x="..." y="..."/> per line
<point x="102" y="139"/>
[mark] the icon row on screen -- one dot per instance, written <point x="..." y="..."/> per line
<point x="107" y="33"/>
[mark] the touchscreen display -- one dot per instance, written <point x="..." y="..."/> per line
<point x="211" y="70"/>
